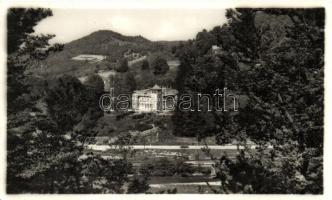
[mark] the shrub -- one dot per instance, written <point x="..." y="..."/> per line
<point x="143" y="127"/>
<point x="122" y="66"/>
<point x="160" y="66"/>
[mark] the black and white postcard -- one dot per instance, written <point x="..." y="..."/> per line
<point x="108" y="99"/>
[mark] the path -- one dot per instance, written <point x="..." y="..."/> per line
<point x="169" y="147"/>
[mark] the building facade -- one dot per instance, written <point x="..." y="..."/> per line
<point x="155" y="99"/>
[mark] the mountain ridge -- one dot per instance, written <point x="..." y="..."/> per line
<point x="109" y="43"/>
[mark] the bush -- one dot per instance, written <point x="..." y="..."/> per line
<point x="145" y="65"/>
<point x="122" y="115"/>
<point x="138" y="116"/>
<point x="143" y="127"/>
<point x="122" y="66"/>
<point x="167" y="167"/>
<point x="95" y="82"/>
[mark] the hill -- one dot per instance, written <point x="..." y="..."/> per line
<point x="108" y="43"/>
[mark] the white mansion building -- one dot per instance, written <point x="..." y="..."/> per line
<point x="154" y="99"/>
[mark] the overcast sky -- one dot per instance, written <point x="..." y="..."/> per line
<point x="69" y="25"/>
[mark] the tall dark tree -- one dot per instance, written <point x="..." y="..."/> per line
<point x="20" y="24"/>
<point x="145" y="65"/>
<point x="274" y="58"/>
<point x="122" y="66"/>
<point x="22" y="101"/>
<point x="95" y="83"/>
<point x="123" y="83"/>
<point x="49" y="122"/>
<point x="159" y="66"/>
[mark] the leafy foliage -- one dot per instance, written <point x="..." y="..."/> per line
<point x="49" y="122"/>
<point x="123" y="83"/>
<point x="159" y="66"/>
<point x="122" y="66"/>
<point x="274" y="59"/>
<point x="145" y="65"/>
<point x="96" y="83"/>
<point x="20" y="27"/>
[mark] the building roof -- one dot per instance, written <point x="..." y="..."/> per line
<point x="165" y="91"/>
<point x="156" y="87"/>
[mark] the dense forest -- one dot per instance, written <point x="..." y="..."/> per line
<point x="49" y="121"/>
<point x="273" y="60"/>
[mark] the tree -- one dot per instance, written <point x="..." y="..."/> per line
<point x="20" y="24"/>
<point x="23" y="51"/>
<point x="49" y="122"/>
<point x="145" y="65"/>
<point x="123" y="83"/>
<point x="68" y="100"/>
<point x="122" y="66"/>
<point x="138" y="185"/>
<point x="273" y="57"/>
<point x="281" y="57"/>
<point x="145" y="78"/>
<point x="96" y="83"/>
<point x="159" y="66"/>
